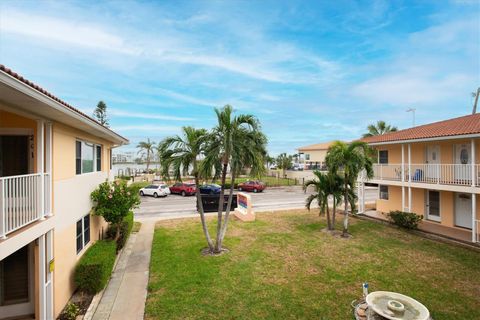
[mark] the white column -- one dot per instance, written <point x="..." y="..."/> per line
<point x="409" y="178"/>
<point x="472" y="143"/>
<point x="474" y="218"/>
<point x="49" y="275"/>
<point x="403" y="177"/>
<point x="41" y="278"/>
<point x="40" y="165"/>
<point x="48" y="168"/>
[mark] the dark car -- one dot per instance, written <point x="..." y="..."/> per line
<point x="210" y="189"/>
<point x="185" y="189"/>
<point x="254" y="186"/>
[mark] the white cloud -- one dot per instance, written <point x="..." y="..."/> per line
<point x="149" y="129"/>
<point x="152" y="115"/>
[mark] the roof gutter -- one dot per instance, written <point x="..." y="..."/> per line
<point x="33" y="93"/>
<point x="461" y="136"/>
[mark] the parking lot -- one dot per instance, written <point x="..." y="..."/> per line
<point x="271" y="199"/>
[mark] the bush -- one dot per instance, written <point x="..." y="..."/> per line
<point x="125" y="230"/>
<point x="70" y="312"/>
<point x="136" y="186"/>
<point x="95" y="266"/>
<point x="408" y="220"/>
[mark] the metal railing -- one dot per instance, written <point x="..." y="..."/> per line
<point x="21" y="201"/>
<point x="449" y="174"/>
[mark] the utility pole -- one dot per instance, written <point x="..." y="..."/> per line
<point x="412" y="110"/>
<point x="476" y="100"/>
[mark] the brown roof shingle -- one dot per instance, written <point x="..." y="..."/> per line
<point x="465" y="125"/>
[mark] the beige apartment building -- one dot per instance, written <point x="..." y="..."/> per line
<point x="432" y="170"/>
<point x="51" y="157"/>
<point x="312" y="157"/>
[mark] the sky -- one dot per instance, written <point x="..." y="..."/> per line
<point x="311" y="71"/>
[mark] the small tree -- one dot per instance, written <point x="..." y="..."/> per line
<point x="284" y="162"/>
<point x="147" y="149"/>
<point x="381" y="127"/>
<point x="100" y="113"/>
<point x="113" y="201"/>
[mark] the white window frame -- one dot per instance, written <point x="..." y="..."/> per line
<point x="380" y="192"/>
<point x="82" y="235"/>
<point x="307" y="156"/>
<point x="95" y="145"/>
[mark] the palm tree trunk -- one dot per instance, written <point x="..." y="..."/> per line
<point x="202" y="215"/>
<point x="329" y="223"/>
<point x="345" y="219"/>
<point x="220" y="208"/>
<point x="333" y="213"/>
<point x="148" y="159"/>
<point x="223" y="230"/>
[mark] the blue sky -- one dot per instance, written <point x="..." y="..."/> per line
<point x="311" y="71"/>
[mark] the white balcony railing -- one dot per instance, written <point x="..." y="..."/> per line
<point x="447" y="174"/>
<point x="477" y="232"/>
<point x="21" y="201"/>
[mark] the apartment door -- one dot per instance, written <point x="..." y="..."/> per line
<point x="16" y="283"/>
<point x="14" y="155"/>
<point x="463" y="210"/>
<point x="433" y="205"/>
<point x="463" y="160"/>
<point x="432" y="173"/>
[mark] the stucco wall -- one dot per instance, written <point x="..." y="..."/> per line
<point x="315" y="155"/>
<point x="71" y="203"/>
<point x="418" y="151"/>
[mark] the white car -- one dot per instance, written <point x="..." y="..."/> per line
<point x="155" y="190"/>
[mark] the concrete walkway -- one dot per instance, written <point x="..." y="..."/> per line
<point x="125" y="295"/>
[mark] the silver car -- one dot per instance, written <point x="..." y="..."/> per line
<point x="155" y="190"/>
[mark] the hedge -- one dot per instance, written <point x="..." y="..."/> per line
<point x="407" y="220"/>
<point x="95" y="266"/>
<point x="125" y="230"/>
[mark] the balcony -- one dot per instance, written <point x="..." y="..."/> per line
<point x="23" y="199"/>
<point x="443" y="174"/>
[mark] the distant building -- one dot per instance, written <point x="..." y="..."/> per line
<point x="312" y="157"/>
<point x="123" y="157"/>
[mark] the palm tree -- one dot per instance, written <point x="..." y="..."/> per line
<point x="381" y="127"/>
<point x="181" y="154"/>
<point x="146" y="149"/>
<point x="326" y="185"/>
<point x="269" y="160"/>
<point x="350" y="160"/>
<point x="235" y="142"/>
<point x="284" y="162"/>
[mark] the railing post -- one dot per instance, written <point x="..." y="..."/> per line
<point x="474" y="217"/>
<point x="3" y="214"/>
<point x="473" y="161"/>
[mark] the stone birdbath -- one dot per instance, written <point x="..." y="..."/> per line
<point x="396" y="306"/>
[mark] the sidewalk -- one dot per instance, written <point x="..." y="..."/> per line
<point x="125" y="295"/>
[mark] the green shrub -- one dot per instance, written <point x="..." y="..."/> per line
<point x="70" y="312"/>
<point x="125" y="230"/>
<point x="136" y="186"/>
<point x="95" y="266"/>
<point x="408" y="220"/>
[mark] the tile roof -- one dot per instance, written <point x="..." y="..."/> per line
<point x="15" y="75"/>
<point x="317" y="146"/>
<point x="465" y="125"/>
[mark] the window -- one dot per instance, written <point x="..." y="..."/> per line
<point x="384" y="192"/>
<point x="98" y="158"/>
<point x="83" y="232"/>
<point x="88" y="157"/>
<point x="307" y="156"/>
<point x="383" y="156"/>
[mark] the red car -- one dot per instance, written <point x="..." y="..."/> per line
<point x="185" y="189"/>
<point x="255" y="186"/>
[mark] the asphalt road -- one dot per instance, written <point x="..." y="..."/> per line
<point x="175" y="206"/>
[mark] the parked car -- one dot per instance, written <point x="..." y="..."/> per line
<point x="155" y="190"/>
<point x="255" y="186"/>
<point x="185" y="189"/>
<point x="210" y="189"/>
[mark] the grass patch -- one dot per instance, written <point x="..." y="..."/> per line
<point x="283" y="266"/>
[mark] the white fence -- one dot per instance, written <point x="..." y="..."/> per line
<point x="21" y="200"/>
<point x="451" y="174"/>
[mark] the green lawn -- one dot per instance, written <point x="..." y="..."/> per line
<point x="283" y="267"/>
